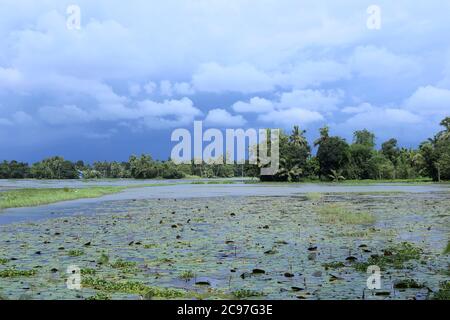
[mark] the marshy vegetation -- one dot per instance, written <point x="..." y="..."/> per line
<point x="342" y="213"/>
<point x="35" y="197"/>
<point x="312" y="246"/>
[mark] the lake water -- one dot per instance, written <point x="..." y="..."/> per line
<point x="180" y="189"/>
<point x="221" y="234"/>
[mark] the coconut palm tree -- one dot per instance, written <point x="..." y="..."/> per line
<point x="336" y="175"/>
<point x="445" y="134"/>
<point x="324" y="134"/>
<point x="298" y="137"/>
<point x="289" y="174"/>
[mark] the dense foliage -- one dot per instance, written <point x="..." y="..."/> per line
<point x="335" y="160"/>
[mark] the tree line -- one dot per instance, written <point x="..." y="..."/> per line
<point x="137" y="167"/>
<point x="335" y="160"/>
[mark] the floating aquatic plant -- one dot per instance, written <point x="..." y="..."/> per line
<point x="408" y="284"/>
<point x="131" y="287"/>
<point x="13" y="273"/>
<point x="187" y="275"/>
<point x="443" y="293"/>
<point x="339" y="213"/>
<point x="244" y="293"/>
<point x="75" y="253"/>
<point x="394" y="256"/>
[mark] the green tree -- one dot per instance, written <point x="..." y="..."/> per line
<point x="360" y="163"/>
<point x="14" y="170"/>
<point x="324" y="134"/>
<point x="54" y="168"/>
<point x="390" y="150"/>
<point x="435" y="153"/>
<point x="143" y="167"/>
<point x="333" y="154"/>
<point x="364" y="137"/>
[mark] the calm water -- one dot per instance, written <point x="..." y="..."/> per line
<point x="178" y="189"/>
<point x="24" y="183"/>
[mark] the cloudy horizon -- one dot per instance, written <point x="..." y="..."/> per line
<point x="137" y="70"/>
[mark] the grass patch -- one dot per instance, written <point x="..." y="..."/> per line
<point x="221" y="182"/>
<point x="75" y="253"/>
<point x="356" y="182"/>
<point x="394" y="257"/>
<point x="88" y="271"/>
<point x="100" y="296"/>
<point x="14" y="273"/>
<point x="408" y="284"/>
<point x="4" y="261"/>
<point x="443" y="293"/>
<point x="187" y="275"/>
<point x="40" y="196"/>
<point x="370" y="181"/>
<point x="333" y="265"/>
<point x="35" y="197"/>
<point x="447" y="249"/>
<point x="104" y="259"/>
<point x="356" y="234"/>
<point x="243" y="294"/>
<point x="214" y="182"/>
<point x="338" y="213"/>
<point x="131" y="288"/>
<point x="150" y="246"/>
<point x="122" y="264"/>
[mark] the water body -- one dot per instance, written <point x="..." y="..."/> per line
<point x="8" y="184"/>
<point x="179" y="189"/>
<point x="223" y="240"/>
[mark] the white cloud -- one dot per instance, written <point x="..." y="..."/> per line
<point x="134" y="89"/>
<point x="19" y="118"/>
<point x="289" y="117"/>
<point x="312" y="74"/>
<point x="183" y="88"/>
<point x="256" y="105"/>
<point x="384" y="117"/>
<point x="363" y="107"/>
<point x="22" y="118"/>
<point x="166" y="114"/>
<point x="429" y="101"/>
<point x="150" y="87"/>
<point x="169" y="89"/>
<point x="313" y="100"/>
<point x="165" y="88"/>
<point x="64" y="115"/>
<point x="152" y="114"/>
<point x="212" y="77"/>
<point x="9" y="78"/>
<point x="386" y="123"/>
<point x="294" y="107"/>
<point x="378" y="62"/>
<point x="222" y="118"/>
<point x="317" y="100"/>
<point x="302" y="49"/>
<point x="246" y="78"/>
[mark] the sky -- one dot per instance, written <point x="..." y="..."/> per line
<point x="136" y="70"/>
